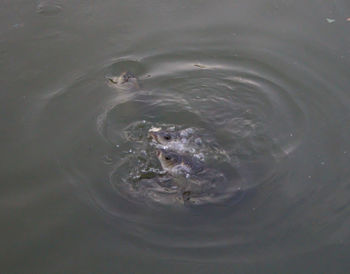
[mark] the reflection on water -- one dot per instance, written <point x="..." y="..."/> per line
<point x="268" y="102"/>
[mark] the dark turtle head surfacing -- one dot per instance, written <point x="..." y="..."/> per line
<point x="198" y="184"/>
<point x="164" y="137"/>
<point x="175" y="163"/>
<point x="127" y="80"/>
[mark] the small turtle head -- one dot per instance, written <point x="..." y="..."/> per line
<point x="168" y="159"/>
<point x="178" y="164"/>
<point x="126" y="79"/>
<point x="164" y="137"/>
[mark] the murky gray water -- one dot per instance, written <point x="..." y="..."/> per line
<point x="268" y="81"/>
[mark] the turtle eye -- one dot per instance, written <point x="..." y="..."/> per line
<point x="168" y="158"/>
<point x="167" y="137"/>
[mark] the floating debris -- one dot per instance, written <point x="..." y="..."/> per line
<point x="200" y="66"/>
<point x="330" y="20"/>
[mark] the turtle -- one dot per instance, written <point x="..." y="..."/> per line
<point x="198" y="183"/>
<point x="194" y="141"/>
<point x="176" y="164"/>
<point x="182" y="141"/>
<point x="126" y="81"/>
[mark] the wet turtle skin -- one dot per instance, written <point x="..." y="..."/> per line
<point x="184" y="136"/>
<point x="175" y="163"/>
<point x="126" y="81"/>
<point x="179" y="141"/>
<point x="198" y="184"/>
<point x="163" y="137"/>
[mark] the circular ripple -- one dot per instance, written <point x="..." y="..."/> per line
<point x="269" y="113"/>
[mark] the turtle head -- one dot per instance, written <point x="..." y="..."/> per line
<point x="164" y="137"/>
<point x="127" y="79"/>
<point x="168" y="159"/>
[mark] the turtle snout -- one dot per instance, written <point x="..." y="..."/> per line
<point x="152" y="135"/>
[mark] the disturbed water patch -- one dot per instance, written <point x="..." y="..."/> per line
<point x="264" y="120"/>
<point x="141" y="175"/>
<point x="115" y="167"/>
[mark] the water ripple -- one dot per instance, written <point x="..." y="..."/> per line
<point x="279" y="120"/>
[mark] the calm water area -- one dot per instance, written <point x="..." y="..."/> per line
<point x="266" y="81"/>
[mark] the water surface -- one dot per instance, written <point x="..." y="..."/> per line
<point x="267" y="80"/>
